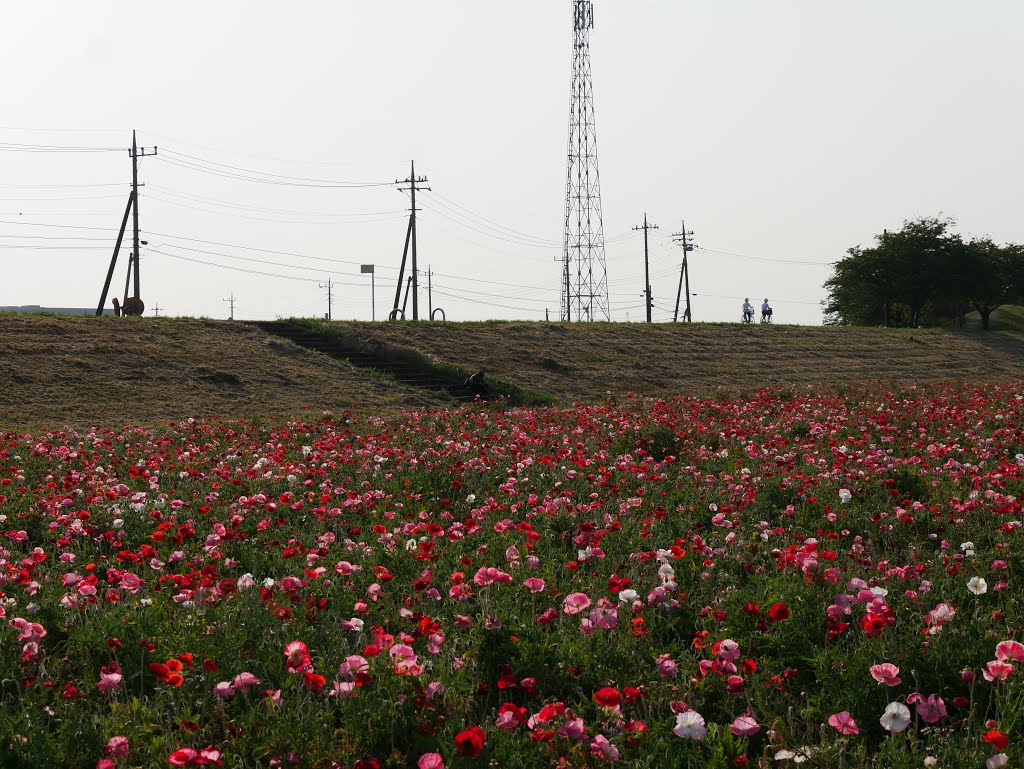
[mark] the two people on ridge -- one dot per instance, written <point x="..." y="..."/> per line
<point x="748" y="311"/>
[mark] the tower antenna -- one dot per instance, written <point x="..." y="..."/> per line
<point x="584" y="281"/>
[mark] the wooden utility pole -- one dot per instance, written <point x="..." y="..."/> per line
<point x="330" y="296"/>
<point x="684" y="274"/>
<point x="647" y="265"/>
<point x="135" y="209"/>
<point x="413" y="188"/>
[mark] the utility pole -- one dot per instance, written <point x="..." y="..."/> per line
<point x="647" y="265"/>
<point x="684" y="274"/>
<point x="231" y="302"/>
<point x="135" y="215"/>
<point x="413" y="188"/>
<point x="885" y="272"/>
<point x="135" y="306"/>
<point x="430" y="293"/>
<point x="329" y="286"/>
<point x="156" y="311"/>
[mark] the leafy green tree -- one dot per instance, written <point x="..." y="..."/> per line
<point x="993" y="276"/>
<point x="893" y="282"/>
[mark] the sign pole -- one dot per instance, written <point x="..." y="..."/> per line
<point x="364" y="269"/>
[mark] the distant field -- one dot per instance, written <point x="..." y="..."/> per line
<point x="57" y="371"/>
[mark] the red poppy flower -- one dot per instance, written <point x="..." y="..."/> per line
<point x="469" y="742"/>
<point x="183" y="757"/>
<point x="778" y="612"/>
<point x="607" y="697"/>
<point x="314" y="681"/>
<point x="996" y="739"/>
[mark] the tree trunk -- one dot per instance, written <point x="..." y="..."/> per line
<point x="985" y="312"/>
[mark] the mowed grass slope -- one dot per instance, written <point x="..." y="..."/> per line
<point x="586" y="361"/>
<point x="57" y="371"/>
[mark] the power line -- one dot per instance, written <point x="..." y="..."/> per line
<point x="192" y="197"/>
<point x="374" y="220"/>
<point x="61" y="130"/>
<point x="260" y="177"/>
<point x="452" y="206"/>
<point x="761" y="258"/>
<point x="56" y="186"/>
<point x="13" y="147"/>
<point x="233" y="269"/>
<point x="251" y="259"/>
<point x="59" y="226"/>
<point x="63" y="199"/>
<point x="489" y="234"/>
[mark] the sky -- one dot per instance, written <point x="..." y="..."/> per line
<point x="783" y="134"/>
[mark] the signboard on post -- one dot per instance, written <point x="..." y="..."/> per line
<point x="364" y="269"/>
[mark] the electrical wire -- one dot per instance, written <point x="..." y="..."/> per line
<point x="526" y="244"/>
<point x="242" y="174"/>
<point x="249" y="259"/>
<point x="233" y="269"/>
<point x="58" y="226"/>
<point x="14" y="147"/>
<point x="259" y="250"/>
<point x="57" y="186"/>
<point x="391" y="218"/>
<point x="49" y="237"/>
<point x="760" y="258"/>
<point x="191" y="197"/>
<point x="60" y="200"/>
<point x="451" y="205"/>
<point x="475" y="301"/>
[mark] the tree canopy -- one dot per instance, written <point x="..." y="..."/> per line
<point x="924" y="274"/>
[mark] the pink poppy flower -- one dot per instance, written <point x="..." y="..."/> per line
<point x="224" y="689"/>
<point x="245" y="681"/>
<point x="667" y="667"/>
<point x="930" y="710"/>
<point x="996" y="670"/>
<point x="488" y="575"/>
<point x="573" y="729"/>
<point x="887" y="674"/>
<point x="1010" y="650"/>
<point x="297" y="656"/>
<point x="109" y="682"/>
<point x="343" y="690"/>
<point x="843" y="723"/>
<point x="430" y="761"/>
<point x="574" y="603"/>
<point x="534" y="584"/>
<point x="117" y="747"/>
<point x="601" y="748"/>
<point x="745" y="726"/>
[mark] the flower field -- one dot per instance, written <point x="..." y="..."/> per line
<point x="789" y="578"/>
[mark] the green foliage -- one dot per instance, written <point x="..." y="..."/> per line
<point x="924" y="274"/>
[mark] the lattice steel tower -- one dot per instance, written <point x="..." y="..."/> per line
<point x="584" y="271"/>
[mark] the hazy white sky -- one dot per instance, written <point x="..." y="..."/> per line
<point x="784" y="132"/>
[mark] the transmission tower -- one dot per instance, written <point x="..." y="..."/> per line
<point x="584" y="272"/>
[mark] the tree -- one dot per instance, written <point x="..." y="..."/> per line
<point x="893" y="282"/>
<point x="993" y="276"/>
